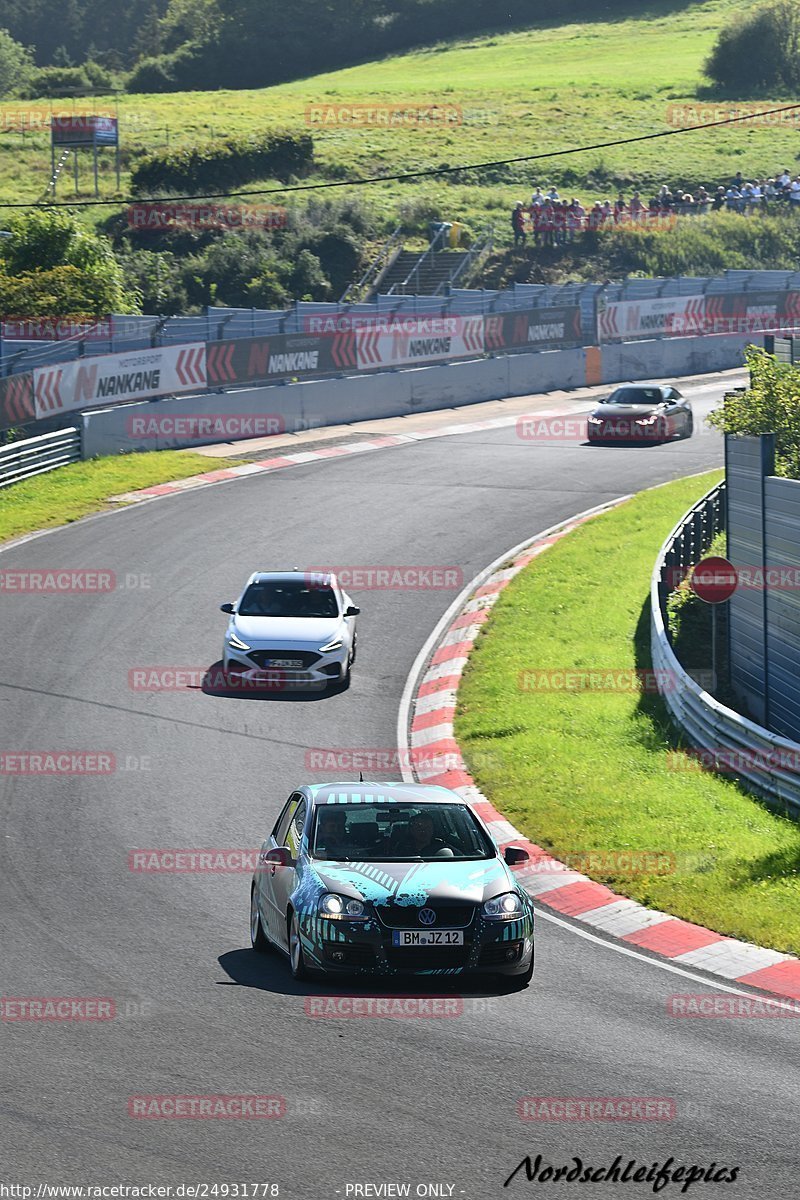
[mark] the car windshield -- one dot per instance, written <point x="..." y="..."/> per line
<point x="398" y="833"/>
<point x="288" y="598"/>
<point x="637" y="395"/>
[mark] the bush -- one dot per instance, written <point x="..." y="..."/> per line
<point x="759" y="52"/>
<point x="219" y="166"/>
<point x="185" y="69"/>
<point x="770" y="405"/>
<point x="59" y="81"/>
<point x="16" y="64"/>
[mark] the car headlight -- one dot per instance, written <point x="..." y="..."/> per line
<point x="237" y="642"/>
<point x="341" y="908"/>
<point x="336" y="644"/>
<point x="503" y="908"/>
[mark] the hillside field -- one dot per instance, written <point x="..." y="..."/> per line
<point x="547" y="88"/>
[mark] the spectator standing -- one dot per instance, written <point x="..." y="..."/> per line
<point x="719" y="200"/>
<point x="637" y="207"/>
<point x="733" y="199"/>
<point x="518" y="223"/>
<point x="794" y="193"/>
<point x="576" y="218"/>
<point x="620" y="209"/>
<point x="537" y="199"/>
<point x="664" y="200"/>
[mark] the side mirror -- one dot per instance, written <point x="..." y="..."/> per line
<point x="226" y="608"/>
<point x="281" y="856"/>
<point x="352" y="611"/>
<point x="514" y="855"/>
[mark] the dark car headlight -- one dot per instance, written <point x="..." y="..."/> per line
<point x="341" y="908"/>
<point x="506" y="907"/>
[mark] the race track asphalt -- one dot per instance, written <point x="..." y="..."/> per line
<point x="368" y="1101"/>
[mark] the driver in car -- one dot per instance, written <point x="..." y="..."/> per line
<point x="420" y="839"/>
<point x="331" y="839"/>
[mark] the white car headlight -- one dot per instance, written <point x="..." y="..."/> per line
<point x="341" y="908"/>
<point x="505" y="907"/>
<point x="237" y="642"/>
<point x="336" y="644"/>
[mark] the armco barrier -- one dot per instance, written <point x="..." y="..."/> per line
<point x="35" y="456"/>
<point x="763" y="759"/>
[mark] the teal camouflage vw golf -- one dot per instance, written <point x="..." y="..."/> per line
<point x="387" y="879"/>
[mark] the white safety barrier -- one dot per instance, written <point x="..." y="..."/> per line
<point x="21" y="460"/>
<point x="720" y="738"/>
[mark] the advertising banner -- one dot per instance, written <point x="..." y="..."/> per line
<point x="408" y="340"/>
<point x="112" y="378"/>
<point x="16" y="401"/>
<point x="684" y="316"/>
<point x="670" y="316"/>
<point x="537" y="328"/>
<point x="84" y="130"/>
<point x="280" y="356"/>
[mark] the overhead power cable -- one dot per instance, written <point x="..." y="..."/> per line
<point x="399" y="177"/>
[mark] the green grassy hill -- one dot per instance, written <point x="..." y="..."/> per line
<point x="527" y="92"/>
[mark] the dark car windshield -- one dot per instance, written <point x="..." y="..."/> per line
<point x="288" y="598"/>
<point x="383" y="832"/>
<point x="635" y="395"/>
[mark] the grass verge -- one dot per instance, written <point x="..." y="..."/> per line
<point x="82" y="488"/>
<point x="582" y="772"/>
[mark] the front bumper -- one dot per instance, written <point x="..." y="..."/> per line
<point x="318" y="670"/>
<point x="366" y="948"/>
<point x="628" y="432"/>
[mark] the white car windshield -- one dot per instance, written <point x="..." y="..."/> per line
<point x="398" y="833"/>
<point x="288" y="598"/>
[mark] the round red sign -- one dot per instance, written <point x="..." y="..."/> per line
<point x="714" y="580"/>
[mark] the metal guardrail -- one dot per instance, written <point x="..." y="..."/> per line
<point x="483" y="246"/>
<point x="35" y="456"/>
<point x="767" y="763"/>
<point x="382" y="260"/>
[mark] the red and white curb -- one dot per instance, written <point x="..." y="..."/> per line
<point x="282" y="461"/>
<point x="428" y="720"/>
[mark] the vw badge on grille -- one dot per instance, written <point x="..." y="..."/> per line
<point x="427" y="916"/>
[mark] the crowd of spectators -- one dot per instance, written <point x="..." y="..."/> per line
<point x="554" y="220"/>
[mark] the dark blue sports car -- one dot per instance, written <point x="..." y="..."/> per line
<point x="386" y="879"/>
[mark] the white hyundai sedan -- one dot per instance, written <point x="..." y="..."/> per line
<point x="291" y="629"/>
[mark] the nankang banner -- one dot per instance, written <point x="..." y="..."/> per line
<point x="281" y="356"/>
<point x="534" y="329"/>
<point x="112" y="378"/>
<point x="408" y="340"/>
